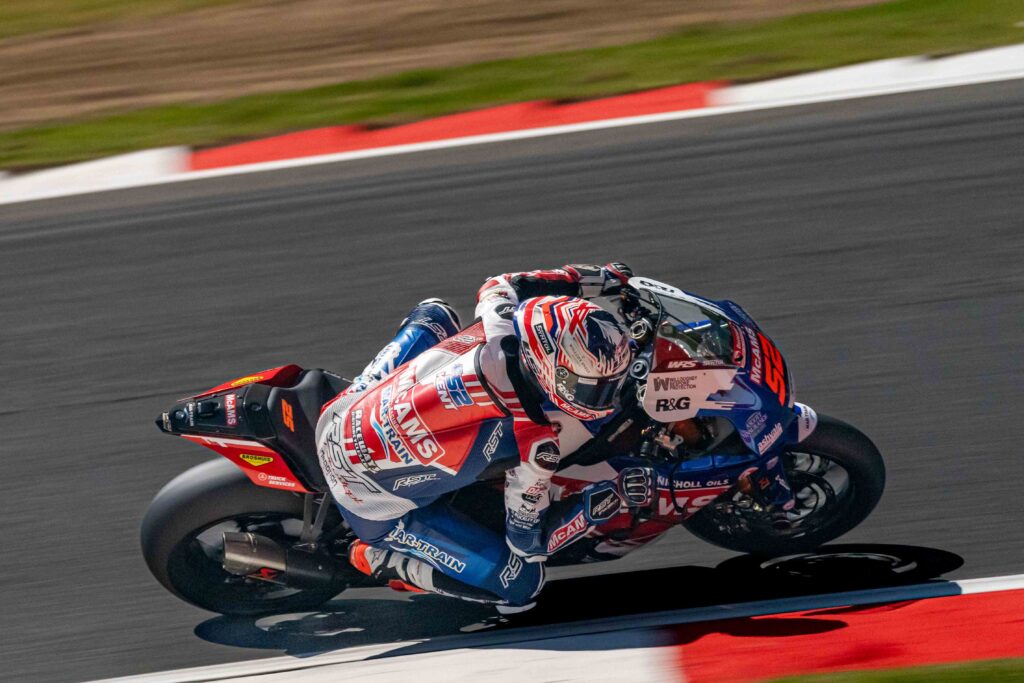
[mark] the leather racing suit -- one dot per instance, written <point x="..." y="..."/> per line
<point x="430" y="414"/>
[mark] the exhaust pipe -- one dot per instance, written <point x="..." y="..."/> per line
<point x="248" y="554"/>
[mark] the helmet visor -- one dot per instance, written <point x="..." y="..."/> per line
<point x="595" y="393"/>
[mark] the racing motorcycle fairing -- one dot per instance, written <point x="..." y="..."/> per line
<point x="264" y="423"/>
<point x="710" y="359"/>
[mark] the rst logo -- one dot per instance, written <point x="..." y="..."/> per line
<point x="665" y="404"/>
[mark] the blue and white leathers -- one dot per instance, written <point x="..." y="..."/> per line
<point x="389" y="480"/>
<point x="447" y="552"/>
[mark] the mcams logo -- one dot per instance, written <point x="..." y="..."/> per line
<point x="568" y="531"/>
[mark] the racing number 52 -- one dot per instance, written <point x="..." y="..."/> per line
<point x="774" y="368"/>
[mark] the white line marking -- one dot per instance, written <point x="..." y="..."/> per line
<point x="625" y="624"/>
<point x="903" y="87"/>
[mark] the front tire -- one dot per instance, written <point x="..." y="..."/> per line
<point x="181" y="540"/>
<point x="838" y="477"/>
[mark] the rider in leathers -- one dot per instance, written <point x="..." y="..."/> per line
<point x="438" y="406"/>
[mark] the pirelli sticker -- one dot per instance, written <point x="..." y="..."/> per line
<point x="256" y="460"/>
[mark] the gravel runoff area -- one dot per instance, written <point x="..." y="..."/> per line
<point x="268" y="46"/>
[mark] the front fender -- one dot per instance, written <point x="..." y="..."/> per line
<point x="804" y="425"/>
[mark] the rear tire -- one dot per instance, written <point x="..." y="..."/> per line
<point x="180" y="540"/>
<point x="856" y="464"/>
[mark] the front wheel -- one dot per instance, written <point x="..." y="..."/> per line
<point x="837" y="476"/>
<point x="182" y="540"/>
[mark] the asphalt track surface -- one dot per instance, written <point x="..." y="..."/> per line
<point x="879" y="241"/>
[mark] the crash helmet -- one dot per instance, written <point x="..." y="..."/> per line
<point x="575" y="352"/>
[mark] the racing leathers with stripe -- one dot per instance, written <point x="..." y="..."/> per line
<point x="421" y="422"/>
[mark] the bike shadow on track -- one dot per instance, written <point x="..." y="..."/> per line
<point x="381" y="616"/>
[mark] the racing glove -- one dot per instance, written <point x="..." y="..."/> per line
<point x="584" y="281"/>
<point x="636" y="486"/>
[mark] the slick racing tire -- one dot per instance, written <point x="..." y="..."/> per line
<point x="837" y="476"/>
<point x="182" y="540"/>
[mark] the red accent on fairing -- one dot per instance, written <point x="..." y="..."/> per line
<point x="263" y="466"/>
<point x="915" y="633"/>
<point x="666" y="351"/>
<point x="283" y="376"/>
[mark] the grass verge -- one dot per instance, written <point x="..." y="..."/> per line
<point x="727" y="52"/>
<point x="997" y="670"/>
<point x="21" y="17"/>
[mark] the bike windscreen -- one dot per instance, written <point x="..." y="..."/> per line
<point x="690" y="332"/>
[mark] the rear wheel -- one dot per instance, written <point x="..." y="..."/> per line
<point x="182" y="540"/>
<point x="837" y="476"/>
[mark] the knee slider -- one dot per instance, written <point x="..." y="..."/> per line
<point x="520" y="581"/>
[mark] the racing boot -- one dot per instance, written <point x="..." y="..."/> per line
<point x="382" y="565"/>
<point x="436" y="315"/>
<point x="402" y="573"/>
<point x="430" y="322"/>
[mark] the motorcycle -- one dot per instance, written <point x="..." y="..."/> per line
<point x="708" y="404"/>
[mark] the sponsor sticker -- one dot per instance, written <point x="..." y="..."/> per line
<point x="547" y="456"/>
<point x="256" y="460"/>
<point x="754" y="425"/>
<point x="756" y="372"/>
<point x="568" y="531"/>
<point x="505" y="311"/>
<point x="677" y="403"/>
<point x="689" y="364"/>
<point x="413" y="431"/>
<point x="413" y="480"/>
<point x="769" y="439"/>
<point x="807" y="421"/>
<point x="364" y="452"/>
<point x="425" y="549"/>
<point x="231" y="410"/>
<point x="738" y="347"/>
<point x="542" y="337"/>
<point x="654" y="285"/>
<point x="451" y="389"/>
<point x="491" y="447"/>
<point x="287" y="415"/>
<point x="675" y="383"/>
<point x="511" y="571"/>
<point x="697" y="484"/>
<point x="604" y="505"/>
<point x="248" y="379"/>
